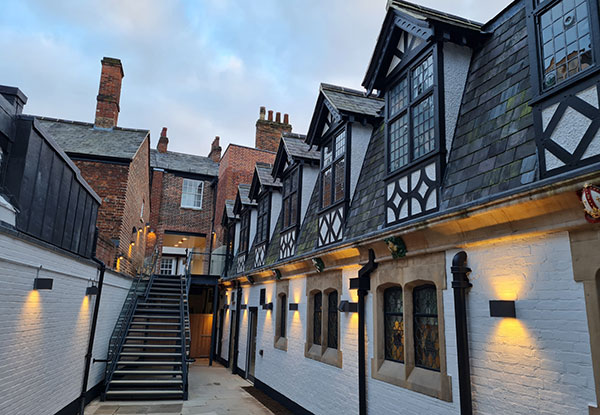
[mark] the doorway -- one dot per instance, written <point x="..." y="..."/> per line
<point x="251" y="347"/>
<point x="201" y="318"/>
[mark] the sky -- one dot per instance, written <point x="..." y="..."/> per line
<point x="201" y="68"/>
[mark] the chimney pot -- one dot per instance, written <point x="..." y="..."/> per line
<point x="215" y="150"/>
<point x="270" y="115"/>
<point x="109" y="93"/>
<point x="163" y="133"/>
<point x="286" y="119"/>
<point x="163" y="141"/>
<point x="268" y="136"/>
<point x="262" y="113"/>
<point x="278" y="118"/>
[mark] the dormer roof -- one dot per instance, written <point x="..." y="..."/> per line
<point x="228" y="214"/>
<point x="262" y="180"/>
<point x="242" y="200"/>
<point x="292" y="148"/>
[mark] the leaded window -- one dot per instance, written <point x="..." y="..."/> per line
<point x="333" y="171"/>
<point x="191" y="193"/>
<point x="290" y="199"/>
<point x="332" y="320"/>
<point x="565" y="39"/>
<point x="262" y="222"/>
<point x="245" y="231"/>
<point x="411" y="131"/>
<point x="317" y="299"/>
<point x="393" y="310"/>
<point x="425" y="321"/>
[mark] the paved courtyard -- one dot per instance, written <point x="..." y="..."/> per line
<point x="212" y="391"/>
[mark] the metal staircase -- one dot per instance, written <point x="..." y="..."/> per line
<point x="146" y="358"/>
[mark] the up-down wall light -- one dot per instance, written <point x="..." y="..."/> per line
<point x="42" y="283"/>
<point x="348" y="307"/>
<point x="244" y="306"/>
<point x="502" y="308"/>
<point x="267" y="306"/>
<point x="293" y="306"/>
<point x="91" y="290"/>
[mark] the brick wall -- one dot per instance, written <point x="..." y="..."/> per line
<point x="44" y="334"/>
<point x="109" y="93"/>
<point x="236" y="167"/>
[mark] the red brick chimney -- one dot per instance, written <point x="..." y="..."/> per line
<point x="215" y="150"/>
<point x="109" y="93"/>
<point x="268" y="132"/>
<point x="163" y="141"/>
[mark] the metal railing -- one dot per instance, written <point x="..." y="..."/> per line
<point x="185" y="331"/>
<point x="139" y="288"/>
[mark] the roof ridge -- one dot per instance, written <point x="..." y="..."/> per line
<point x="263" y="164"/>
<point x="296" y="136"/>
<point x="437" y="13"/>
<point x="348" y="91"/>
<point x="62" y="120"/>
<point x="184" y="154"/>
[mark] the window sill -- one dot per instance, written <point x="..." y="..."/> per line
<point x="331" y="207"/>
<point x="190" y="208"/>
<point x="280" y="343"/>
<point x="289" y="228"/>
<point x="323" y="354"/>
<point x="424" y="159"/>
<point x="579" y="78"/>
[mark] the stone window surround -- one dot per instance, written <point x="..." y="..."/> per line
<point x="410" y="273"/>
<point x="325" y="283"/>
<point x="281" y="288"/>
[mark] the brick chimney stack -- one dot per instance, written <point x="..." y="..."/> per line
<point x="109" y="93"/>
<point x="268" y="132"/>
<point x="163" y="141"/>
<point x="215" y="150"/>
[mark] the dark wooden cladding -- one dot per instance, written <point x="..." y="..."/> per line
<point x="55" y="204"/>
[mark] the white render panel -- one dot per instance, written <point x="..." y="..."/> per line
<point x="594" y="147"/>
<point x="540" y="362"/>
<point x="589" y="95"/>
<point x="361" y="136"/>
<point x="456" y="68"/>
<point x="276" y="206"/>
<point x="44" y="334"/>
<point x="552" y="162"/>
<point x="252" y="230"/>
<point x="309" y="178"/>
<point x="547" y="114"/>
<point x="570" y="129"/>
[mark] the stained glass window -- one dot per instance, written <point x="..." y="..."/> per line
<point x="333" y="177"/>
<point x="332" y="320"/>
<point x="282" y="315"/>
<point x="565" y="39"/>
<point x="393" y="310"/>
<point x="426" y="335"/>
<point x="317" y="299"/>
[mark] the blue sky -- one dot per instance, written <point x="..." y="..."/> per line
<point x="200" y="68"/>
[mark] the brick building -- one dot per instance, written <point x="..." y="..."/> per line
<point x="115" y="162"/>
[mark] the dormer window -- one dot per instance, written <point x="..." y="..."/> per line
<point x="333" y="171"/>
<point x="564" y="39"/>
<point x="262" y="223"/>
<point x="290" y="199"/>
<point x="411" y="132"/>
<point x="244" y="231"/>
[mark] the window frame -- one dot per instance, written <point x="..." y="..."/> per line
<point x="184" y="193"/>
<point x="433" y="91"/>
<point x="335" y="312"/>
<point x="415" y="291"/>
<point x="286" y="198"/>
<point x="265" y="216"/>
<point x="343" y="128"/>
<point x="534" y="11"/>
<point x="173" y="267"/>
<point x="280" y="340"/>
<point x="244" y="231"/>
<point x="389" y="313"/>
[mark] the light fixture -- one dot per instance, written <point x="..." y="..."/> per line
<point x="348" y="307"/>
<point x="184" y="239"/>
<point x="132" y="243"/>
<point x="502" y="308"/>
<point x="250" y="279"/>
<point x="226" y="307"/>
<point x="147" y="224"/>
<point x="293" y="306"/>
<point x="91" y="290"/>
<point x="42" y="283"/>
<point x="268" y="306"/>
<point x="244" y="306"/>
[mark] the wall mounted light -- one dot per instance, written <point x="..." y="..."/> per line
<point x="250" y="279"/>
<point x="91" y="290"/>
<point x="348" y="307"/>
<point x="293" y="306"/>
<point x="244" y="306"/>
<point x="501" y="308"/>
<point x="42" y="283"/>
<point x="268" y="306"/>
<point x="226" y="307"/>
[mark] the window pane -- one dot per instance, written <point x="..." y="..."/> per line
<point x="340" y="178"/>
<point x="326" y="201"/>
<point x="327" y="155"/>
<point x="394" y="324"/>
<point x="423" y="131"/>
<point x="340" y="144"/>
<point x="422" y="77"/>
<point x="398" y="97"/>
<point x="191" y="193"/>
<point x="399" y="143"/>
<point x="286" y="212"/>
<point x="317" y="318"/>
<point x="332" y="320"/>
<point x="427" y="345"/>
<point x="293" y="209"/>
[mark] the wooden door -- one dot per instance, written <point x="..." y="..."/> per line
<point x="201" y="327"/>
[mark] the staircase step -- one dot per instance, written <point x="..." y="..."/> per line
<point x="174" y="392"/>
<point x="154" y="354"/>
<point x="154" y="330"/>
<point x="163" y="295"/>
<point x="145" y="382"/>
<point x="151" y="346"/>
<point x="148" y="363"/>
<point x="152" y="338"/>
<point x="158" y="311"/>
<point x="147" y="372"/>
<point x="148" y="316"/>
<point x="155" y="323"/>
<point x="169" y="304"/>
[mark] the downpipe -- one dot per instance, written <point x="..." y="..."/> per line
<point x="461" y="284"/>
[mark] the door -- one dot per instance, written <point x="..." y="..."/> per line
<point x="201" y="328"/>
<point x="251" y="356"/>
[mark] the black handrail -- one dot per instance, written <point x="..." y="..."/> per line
<point x="183" y="333"/>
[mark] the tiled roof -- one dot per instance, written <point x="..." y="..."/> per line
<point x="181" y="162"/>
<point x="263" y="171"/>
<point x="229" y="208"/>
<point x="494" y="144"/>
<point x="244" y="190"/>
<point x="425" y="13"/>
<point x="76" y="137"/>
<point x="350" y="100"/>
<point x="296" y="147"/>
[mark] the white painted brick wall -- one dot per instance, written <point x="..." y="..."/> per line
<point x="539" y="363"/>
<point x="44" y="334"/>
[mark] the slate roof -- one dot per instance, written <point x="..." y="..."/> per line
<point x="244" y="191"/>
<point x="494" y="144"/>
<point x="350" y="100"/>
<point x="296" y="147"/>
<point x="188" y="163"/>
<point x="425" y="13"/>
<point x="263" y="171"/>
<point x="76" y="137"/>
<point x="229" y="208"/>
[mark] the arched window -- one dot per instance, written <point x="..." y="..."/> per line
<point x="317" y="298"/>
<point x="427" y="342"/>
<point x="282" y="317"/>
<point x="332" y="320"/>
<point x="393" y="309"/>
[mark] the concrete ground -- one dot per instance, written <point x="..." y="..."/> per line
<point x="212" y="391"/>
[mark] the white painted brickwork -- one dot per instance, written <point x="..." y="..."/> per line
<point x="44" y="334"/>
<point x="539" y="363"/>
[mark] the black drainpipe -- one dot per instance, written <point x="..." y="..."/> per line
<point x="461" y="284"/>
<point x="363" y="285"/>
<point x="213" y="337"/>
<point x="88" y="355"/>
<point x="236" y="340"/>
